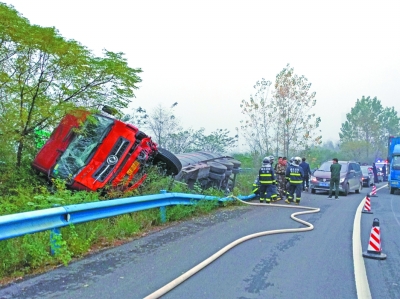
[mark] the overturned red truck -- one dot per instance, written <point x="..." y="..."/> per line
<point x="94" y="151"/>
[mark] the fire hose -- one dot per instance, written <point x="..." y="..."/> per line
<point x="177" y="281"/>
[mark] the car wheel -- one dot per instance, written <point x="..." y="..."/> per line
<point x="391" y="190"/>
<point x="346" y="190"/>
<point x="313" y="191"/>
<point x="359" y="188"/>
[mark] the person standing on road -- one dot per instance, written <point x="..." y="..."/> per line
<point x="384" y="172"/>
<point x="266" y="177"/>
<point x="375" y="171"/>
<point x="307" y="173"/>
<point x="280" y="177"/>
<point x="335" y="178"/>
<point x="275" y="195"/>
<point x="295" y="174"/>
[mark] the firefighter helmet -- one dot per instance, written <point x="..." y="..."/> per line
<point x="266" y="160"/>
<point x="297" y="160"/>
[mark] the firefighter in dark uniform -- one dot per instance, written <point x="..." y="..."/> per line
<point x="295" y="174"/>
<point x="266" y="177"/>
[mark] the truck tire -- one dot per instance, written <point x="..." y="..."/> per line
<point x="392" y="190"/>
<point x="236" y="163"/>
<point x="171" y="163"/>
<point x="216" y="176"/>
<point x="228" y="164"/>
<point x="216" y="167"/>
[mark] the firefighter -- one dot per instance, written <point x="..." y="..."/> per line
<point x="288" y="178"/>
<point x="256" y="188"/>
<point x="275" y="195"/>
<point x="267" y="178"/>
<point x="295" y="174"/>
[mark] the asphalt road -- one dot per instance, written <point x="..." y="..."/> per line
<point x="314" y="264"/>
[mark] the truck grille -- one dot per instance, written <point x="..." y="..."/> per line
<point x="112" y="160"/>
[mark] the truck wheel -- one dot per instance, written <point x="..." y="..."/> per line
<point x="391" y="190"/>
<point x="228" y="164"/>
<point x="171" y="163"/>
<point x="216" y="176"/>
<point x="236" y="163"/>
<point x="217" y="167"/>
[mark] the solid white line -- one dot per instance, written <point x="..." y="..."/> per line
<point x="360" y="274"/>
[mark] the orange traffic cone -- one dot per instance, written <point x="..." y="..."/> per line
<point x="373" y="192"/>
<point x="367" y="205"/>
<point x="374" y="250"/>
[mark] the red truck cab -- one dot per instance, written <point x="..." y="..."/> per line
<point x="91" y="151"/>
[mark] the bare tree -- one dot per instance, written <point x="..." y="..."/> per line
<point x="256" y="128"/>
<point x="292" y="101"/>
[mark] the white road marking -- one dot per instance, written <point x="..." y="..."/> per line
<point x="360" y="274"/>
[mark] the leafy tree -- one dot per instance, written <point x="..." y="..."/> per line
<point x="218" y="141"/>
<point x="256" y="128"/>
<point x="137" y="117"/>
<point x="43" y="76"/>
<point x="292" y="102"/>
<point x="365" y="132"/>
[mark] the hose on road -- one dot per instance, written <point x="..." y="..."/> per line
<point x="177" y="281"/>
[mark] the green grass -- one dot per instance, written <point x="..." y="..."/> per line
<point x="31" y="253"/>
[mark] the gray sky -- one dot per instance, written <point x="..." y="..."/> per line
<point x="207" y="55"/>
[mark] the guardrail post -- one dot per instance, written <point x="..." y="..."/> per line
<point x="55" y="235"/>
<point x="163" y="210"/>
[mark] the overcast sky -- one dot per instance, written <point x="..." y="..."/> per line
<point x="207" y="55"/>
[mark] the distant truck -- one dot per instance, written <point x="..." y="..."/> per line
<point x="96" y="151"/>
<point x="394" y="164"/>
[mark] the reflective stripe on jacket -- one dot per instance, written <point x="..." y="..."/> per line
<point x="266" y="175"/>
<point x="295" y="174"/>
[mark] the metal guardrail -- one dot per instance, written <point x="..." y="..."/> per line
<point x="16" y="225"/>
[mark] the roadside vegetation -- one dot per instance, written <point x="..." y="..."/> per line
<point x="43" y="76"/>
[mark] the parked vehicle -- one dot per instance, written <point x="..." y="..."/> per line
<point x="368" y="176"/>
<point x="350" y="177"/>
<point x="394" y="163"/>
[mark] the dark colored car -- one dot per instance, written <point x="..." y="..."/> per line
<point x="350" y="177"/>
<point x="368" y="176"/>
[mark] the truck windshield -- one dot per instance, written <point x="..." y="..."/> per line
<point x="83" y="145"/>
<point x="396" y="163"/>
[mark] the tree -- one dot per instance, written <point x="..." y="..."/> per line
<point x="365" y="132"/>
<point x="137" y="117"/>
<point x="170" y="135"/>
<point x="44" y="76"/>
<point x="282" y="123"/>
<point x="162" y="123"/>
<point x="292" y="102"/>
<point x="257" y="126"/>
<point x="218" y="141"/>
